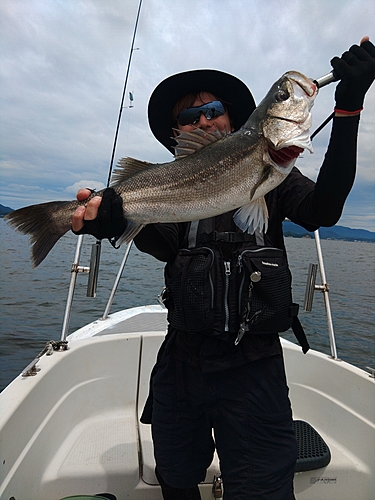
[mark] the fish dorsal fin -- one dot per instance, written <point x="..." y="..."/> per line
<point x="190" y="142"/>
<point x="127" y="167"/>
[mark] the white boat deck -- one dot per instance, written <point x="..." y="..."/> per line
<point x="90" y="439"/>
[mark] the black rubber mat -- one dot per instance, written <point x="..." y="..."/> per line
<point x="313" y="452"/>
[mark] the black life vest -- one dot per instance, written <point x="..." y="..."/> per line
<point x="228" y="294"/>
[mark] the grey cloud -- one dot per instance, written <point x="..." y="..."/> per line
<point x="64" y="64"/>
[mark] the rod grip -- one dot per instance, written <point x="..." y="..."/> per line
<point x="326" y="79"/>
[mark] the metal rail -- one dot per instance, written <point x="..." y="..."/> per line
<point x="75" y="270"/>
<point x="325" y="291"/>
<point x="96" y="247"/>
<point x="117" y="280"/>
<point x="324" y="288"/>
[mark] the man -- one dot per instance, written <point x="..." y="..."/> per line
<point x="204" y="380"/>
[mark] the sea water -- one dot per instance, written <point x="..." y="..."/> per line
<point x="32" y="301"/>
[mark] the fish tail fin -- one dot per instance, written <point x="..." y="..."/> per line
<point x="44" y="223"/>
<point x="252" y="216"/>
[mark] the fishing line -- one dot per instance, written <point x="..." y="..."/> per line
<point x="327" y="120"/>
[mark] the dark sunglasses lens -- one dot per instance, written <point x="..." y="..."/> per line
<point x="187" y="116"/>
<point x="192" y="115"/>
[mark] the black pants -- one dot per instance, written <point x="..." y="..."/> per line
<point x="170" y="493"/>
<point x="248" y="410"/>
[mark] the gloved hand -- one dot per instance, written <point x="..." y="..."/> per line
<point x="110" y="222"/>
<point x="356" y="69"/>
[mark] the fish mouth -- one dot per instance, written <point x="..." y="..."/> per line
<point x="283" y="154"/>
<point x="282" y="118"/>
<point x="307" y="85"/>
<point x="282" y="157"/>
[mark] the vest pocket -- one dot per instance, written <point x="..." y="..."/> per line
<point x="265" y="296"/>
<point x="190" y="290"/>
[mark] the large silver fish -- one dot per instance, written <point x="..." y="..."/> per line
<point x="210" y="176"/>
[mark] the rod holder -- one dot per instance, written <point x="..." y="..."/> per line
<point x="310" y="287"/>
<point x="94" y="269"/>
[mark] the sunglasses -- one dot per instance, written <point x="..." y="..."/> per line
<point x="190" y="116"/>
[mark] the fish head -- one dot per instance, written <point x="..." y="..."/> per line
<point x="284" y="119"/>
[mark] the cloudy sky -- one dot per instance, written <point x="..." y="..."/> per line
<point x="64" y="63"/>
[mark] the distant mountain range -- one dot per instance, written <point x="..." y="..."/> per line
<point x="329" y="233"/>
<point x="291" y="229"/>
<point x="5" y="210"/>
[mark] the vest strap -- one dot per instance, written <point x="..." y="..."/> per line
<point x="300" y="334"/>
<point x="227" y="237"/>
<point x="192" y="236"/>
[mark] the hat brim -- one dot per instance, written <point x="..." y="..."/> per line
<point x="222" y="85"/>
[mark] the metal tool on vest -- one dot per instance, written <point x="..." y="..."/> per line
<point x="247" y="320"/>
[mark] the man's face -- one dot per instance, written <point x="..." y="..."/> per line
<point x="220" y="123"/>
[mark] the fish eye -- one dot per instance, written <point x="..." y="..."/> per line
<point x="281" y="95"/>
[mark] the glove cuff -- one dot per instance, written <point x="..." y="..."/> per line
<point x="349" y="105"/>
<point x="346" y="112"/>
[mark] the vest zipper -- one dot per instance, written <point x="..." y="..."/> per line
<point x="226" y="305"/>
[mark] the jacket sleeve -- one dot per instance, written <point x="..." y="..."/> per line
<point x="320" y="204"/>
<point x="162" y="241"/>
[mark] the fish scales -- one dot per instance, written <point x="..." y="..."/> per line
<point x="210" y="180"/>
<point x="222" y="173"/>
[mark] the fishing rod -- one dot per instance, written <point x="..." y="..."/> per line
<point x="123" y="93"/>
<point x="322" y="82"/>
<point x="93" y="269"/>
<point x="96" y="247"/>
<point x="326" y="79"/>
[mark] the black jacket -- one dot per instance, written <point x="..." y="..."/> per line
<point x="297" y="198"/>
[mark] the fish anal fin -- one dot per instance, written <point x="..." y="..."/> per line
<point x="126" y="168"/>
<point x="252" y="216"/>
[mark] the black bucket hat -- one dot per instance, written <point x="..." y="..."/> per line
<point x="230" y="89"/>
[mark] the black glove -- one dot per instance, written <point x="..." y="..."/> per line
<point x="110" y="222"/>
<point x="356" y="69"/>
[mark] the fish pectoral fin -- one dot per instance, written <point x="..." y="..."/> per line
<point x="131" y="231"/>
<point x="252" y="216"/>
<point x="126" y="168"/>
<point x="190" y="142"/>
